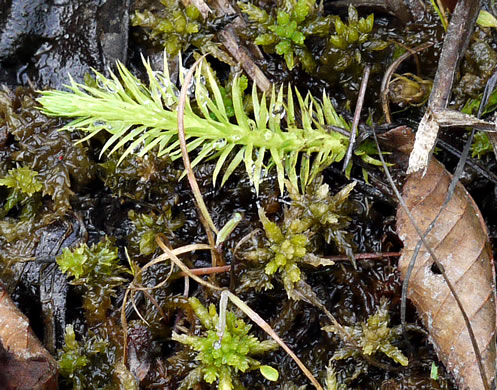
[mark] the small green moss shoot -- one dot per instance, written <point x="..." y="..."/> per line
<point x="481" y="143"/>
<point x="286" y="28"/>
<point x="92" y="363"/>
<point x="351" y="39"/>
<point x="374" y="335"/>
<point x="225" y="349"/>
<point x="97" y="270"/>
<point x="288" y="246"/>
<point x="173" y="26"/>
<point x="23" y="184"/>
<point x="292" y="243"/>
<point x="73" y="359"/>
<point x="326" y="215"/>
<point x="141" y="239"/>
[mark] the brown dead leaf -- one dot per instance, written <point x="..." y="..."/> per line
<point x="24" y="363"/>
<point x="460" y="241"/>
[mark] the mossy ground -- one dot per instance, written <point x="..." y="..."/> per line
<point x="87" y="199"/>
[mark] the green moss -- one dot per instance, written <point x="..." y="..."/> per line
<point x="286" y="247"/>
<point x="285" y="29"/>
<point x="372" y="336"/>
<point x="481" y="145"/>
<point x="326" y="215"/>
<point x="409" y="90"/>
<point x="224" y="350"/>
<point x="311" y="219"/>
<point x="60" y="164"/>
<point x="34" y="144"/>
<point x="141" y="239"/>
<point x="97" y="270"/>
<point x="171" y="25"/>
<point x="92" y="364"/>
<point x="142" y="178"/>
<point x="23" y="184"/>
<point x="73" y="359"/>
<point x="350" y="41"/>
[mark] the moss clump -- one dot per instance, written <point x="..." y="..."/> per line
<point x="409" y="90"/>
<point x="142" y="178"/>
<point x="481" y="145"/>
<point x="311" y="219"/>
<point x="285" y="29"/>
<point x="224" y="350"/>
<point x="145" y="227"/>
<point x="372" y="336"/>
<point x="172" y="26"/>
<point x="60" y="164"/>
<point x="286" y="248"/>
<point x="326" y="215"/>
<point x="351" y="40"/>
<point x="23" y="184"/>
<point x="97" y="270"/>
<point x="92" y="364"/>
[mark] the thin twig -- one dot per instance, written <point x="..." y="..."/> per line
<point x="243" y="306"/>
<point x="455" y="43"/>
<point x="207" y="270"/>
<point x="227" y="268"/>
<point x="267" y="328"/>
<point x="204" y="215"/>
<point x="357" y="115"/>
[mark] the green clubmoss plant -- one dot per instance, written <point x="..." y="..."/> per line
<point x="225" y="349"/>
<point x="142" y="117"/>
<point x="374" y="335"/>
<point x="286" y="28"/>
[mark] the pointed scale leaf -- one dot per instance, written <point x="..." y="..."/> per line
<point x="290" y="168"/>
<point x="280" y="171"/>
<point x="233" y="165"/>
<point x="258" y="167"/>
<point x="290" y="109"/>
<point x="249" y="162"/>
<point x="220" y="161"/>
<point x="241" y="116"/>
<point x="256" y="107"/>
<point x="217" y="95"/>
<point x="207" y="149"/>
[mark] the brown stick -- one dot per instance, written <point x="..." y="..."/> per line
<point x="455" y="43"/>
<point x="357" y="115"/>
<point x="229" y="39"/>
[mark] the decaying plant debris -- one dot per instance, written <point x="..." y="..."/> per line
<point x="217" y="215"/>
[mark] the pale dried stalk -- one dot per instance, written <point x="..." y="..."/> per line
<point x="455" y="43"/>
